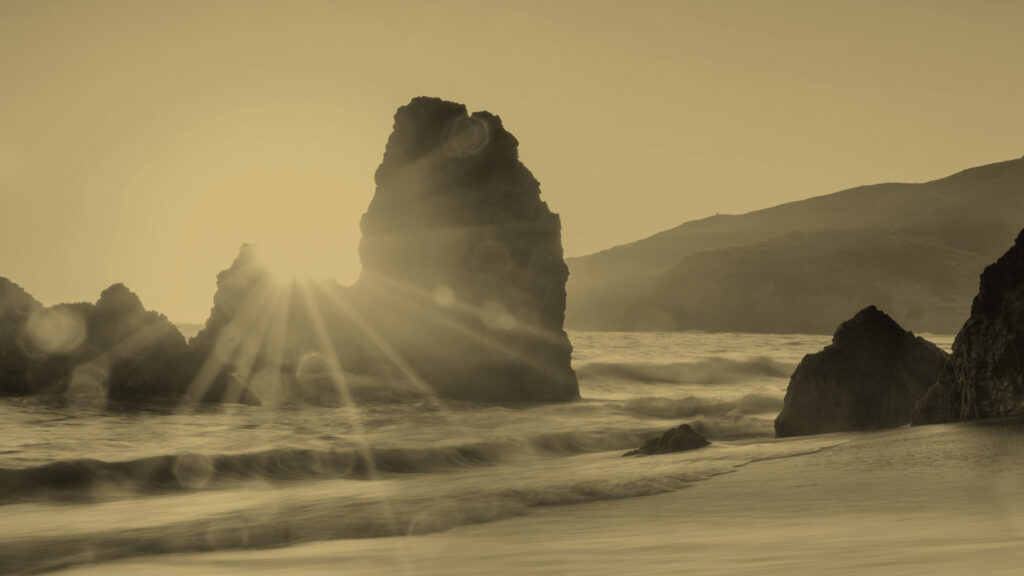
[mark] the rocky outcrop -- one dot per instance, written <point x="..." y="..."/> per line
<point x="462" y="294"/>
<point x="16" y="307"/>
<point x="113" y="349"/>
<point x="677" y="439"/>
<point x="234" y="336"/>
<point x="463" y="275"/>
<point x="871" y="376"/>
<point x="985" y="374"/>
<point x="142" y="350"/>
<point x="274" y="339"/>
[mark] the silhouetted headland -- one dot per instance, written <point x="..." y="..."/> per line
<point x="872" y="376"/>
<point x="915" y="250"/>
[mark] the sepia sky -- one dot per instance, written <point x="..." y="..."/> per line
<point x="144" y="141"/>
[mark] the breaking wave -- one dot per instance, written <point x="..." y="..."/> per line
<point x="714" y="370"/>
<point x="317" y="513"/>
<point x="88" y="478"/>
<point x="690" y="406"/>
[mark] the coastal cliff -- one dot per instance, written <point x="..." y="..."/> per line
<point x="985" y="374"/>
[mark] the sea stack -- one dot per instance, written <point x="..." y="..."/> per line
<point x="463" y="274"/>
<point x="985" y="374"/>
<point x="871" y="376"/>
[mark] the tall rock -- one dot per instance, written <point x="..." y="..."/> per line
<point x="985" y="375"/>
<point x="871" y="376"/>
<point x="463" y="276"/>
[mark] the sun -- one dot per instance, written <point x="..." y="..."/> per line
<point x="285" y="264"/>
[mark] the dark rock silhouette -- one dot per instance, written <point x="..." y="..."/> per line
<point x="112" y="350"/>
<point x="16" y="306"/>
<point x="262" y="326"/>
<point x="462" y="294"/>
<point x="142" y="348"/>
<point x="985" y="374"/>
<point x="677" y="439"/>
<point x="463" y="274"/>
<point x="915" y="250"/>
<point x="871" y="376"/>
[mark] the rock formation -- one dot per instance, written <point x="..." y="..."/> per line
<point x="985" y="374"/>
<point x="279" y="340"/>
<point x="462" y="294"/>
<point x="677" y="439"/>
<point x="143" y="350"/>
<point x="111" y="350"/>
<point x="871" y="376"/>
<point x="463" y="274"/>
<point x="16" y="306"/>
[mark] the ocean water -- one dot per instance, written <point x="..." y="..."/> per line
<point x="81" y="486"/>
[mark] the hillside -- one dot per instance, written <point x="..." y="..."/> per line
<point x="914" y="250"/>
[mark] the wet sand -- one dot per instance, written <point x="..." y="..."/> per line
<point x="929" y="500"/>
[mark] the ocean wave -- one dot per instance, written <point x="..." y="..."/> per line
<point x="746" y="416"/>
<point x="690" y="406"/>
<point x="315" y="513"/>
<point x="714" y="370"/>
<point x="89" y="478"/>
<point x="734" y="426"/>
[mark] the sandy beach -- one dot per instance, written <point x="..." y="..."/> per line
<point x="929" y="500"/>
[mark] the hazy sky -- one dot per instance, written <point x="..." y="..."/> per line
<point x="144" y="141"/>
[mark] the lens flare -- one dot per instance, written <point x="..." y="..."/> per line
<point x="56" y="330"/>
<point x="87" y="387"/>
<point x="466" y="136"/>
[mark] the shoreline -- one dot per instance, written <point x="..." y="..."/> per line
<point x="945" y="499"/>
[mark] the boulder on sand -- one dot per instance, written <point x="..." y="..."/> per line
<point x="463" y="274"/>
<point x="871" y="376"/>
<point x="678" y="439"/>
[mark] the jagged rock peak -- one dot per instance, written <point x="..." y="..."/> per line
<point x="119" y="297"/>
<point x="431" y="129"/>
<point x="14" y="300"/>
<point x="870" y="322"/>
